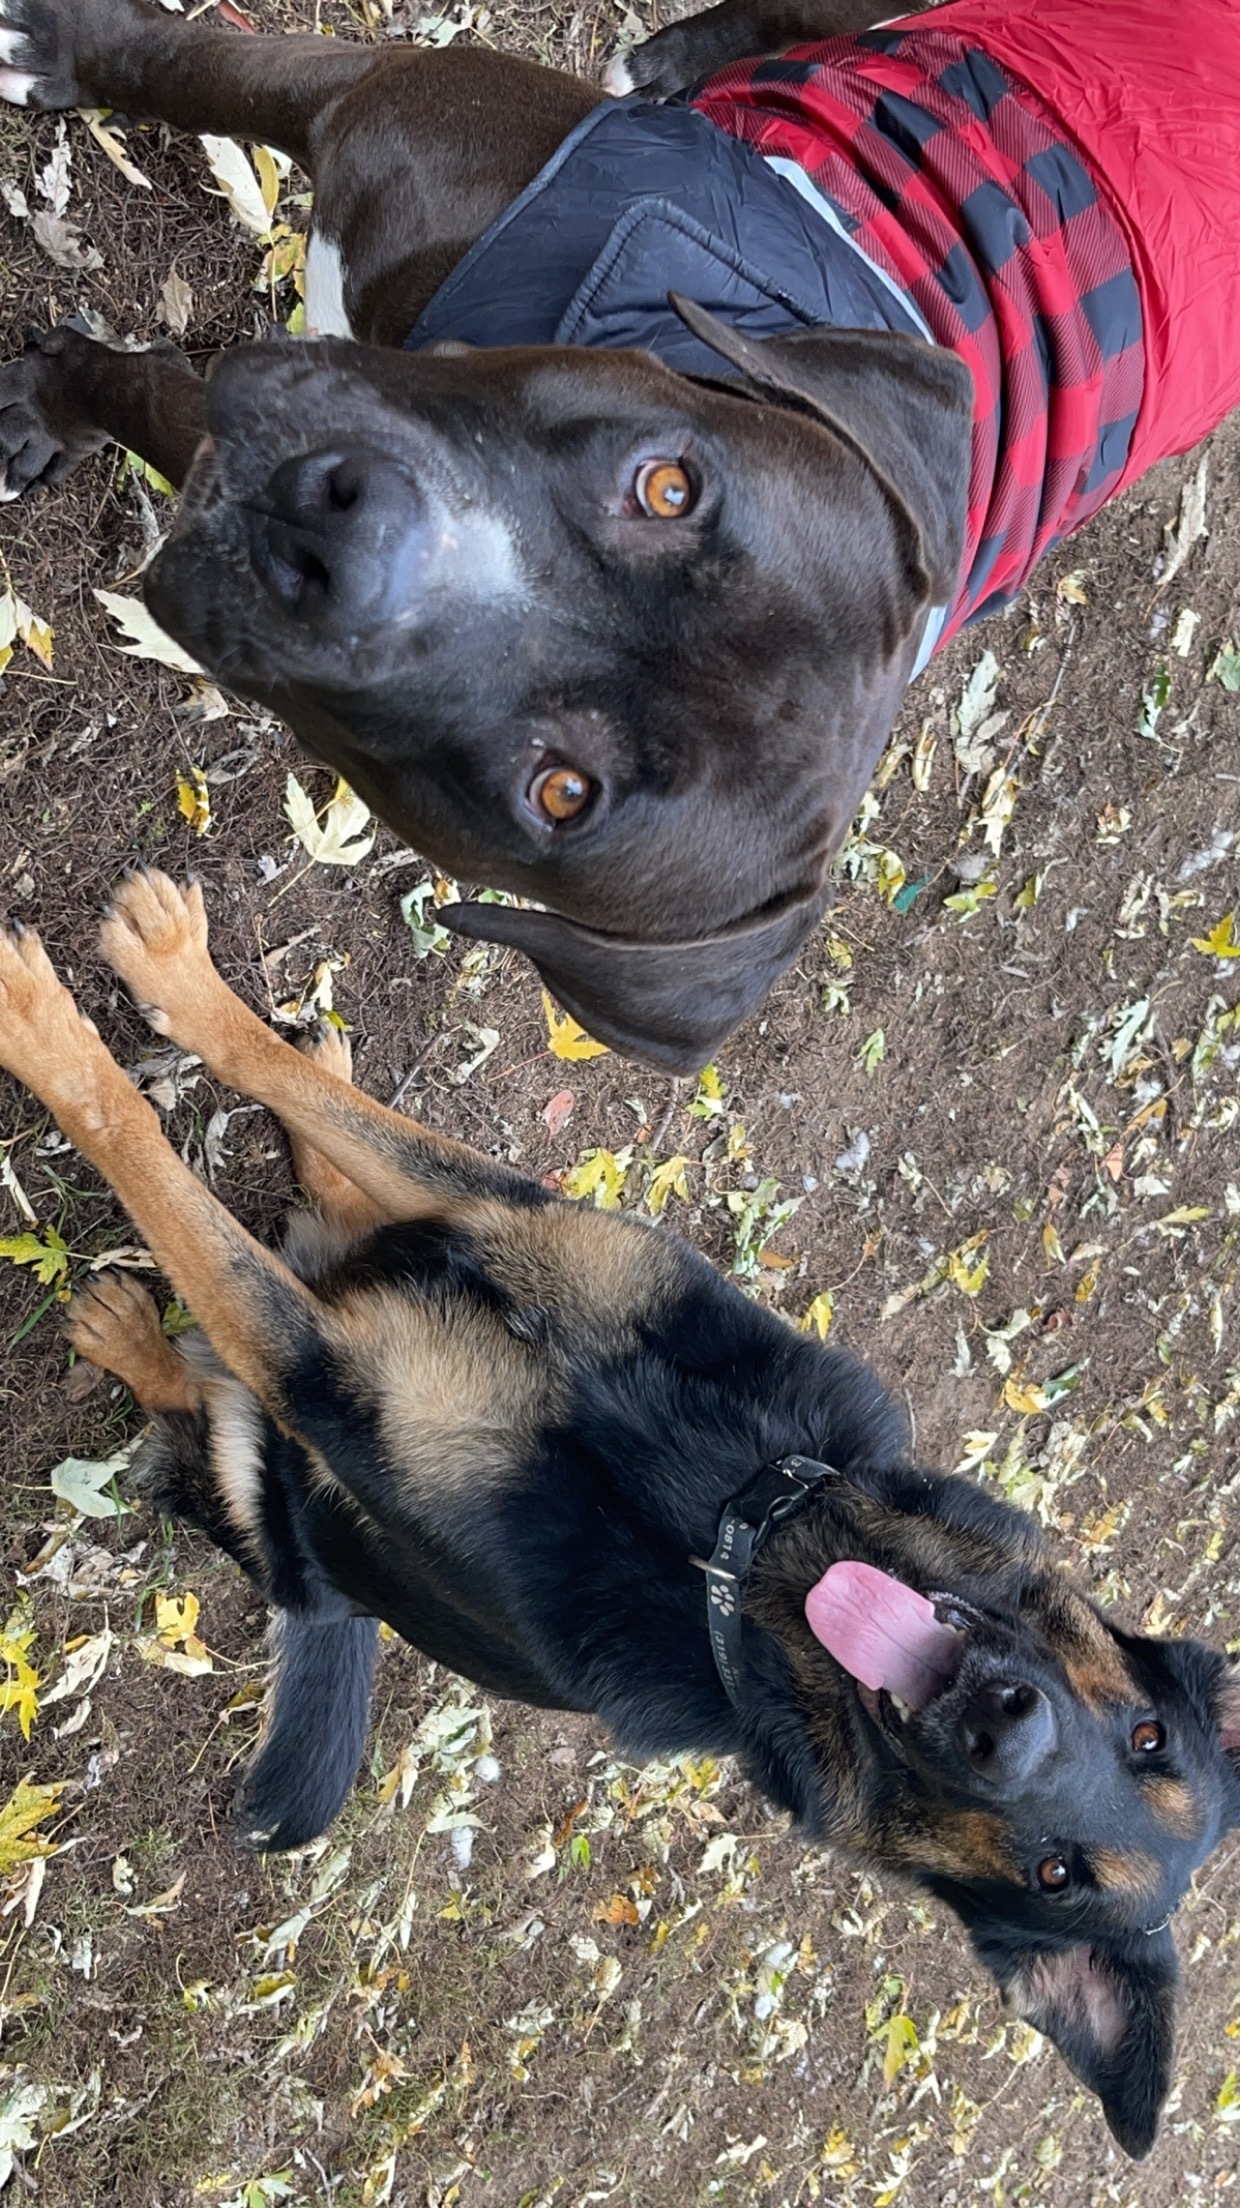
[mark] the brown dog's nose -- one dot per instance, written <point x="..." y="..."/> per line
<point x="340" y="536"/>
<point x="1006" y="1730"/>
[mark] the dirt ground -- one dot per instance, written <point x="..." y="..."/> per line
<point x="1002" y="1092"/>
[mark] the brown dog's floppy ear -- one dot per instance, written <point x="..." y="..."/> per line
<point x="670" y="1004"/>
<point x="902" y="406"/>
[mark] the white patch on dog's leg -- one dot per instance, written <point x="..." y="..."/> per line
<point x="15" y="85"/>
<point x="325" y="308"/>
<point x="617" y="82"/>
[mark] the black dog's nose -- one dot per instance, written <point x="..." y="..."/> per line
<point x="340" y="535"/>
<point x="1006" y="1730"/>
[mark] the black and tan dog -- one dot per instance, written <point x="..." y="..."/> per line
<point x="513" y="1428"/>
<point x="610" y="602"/>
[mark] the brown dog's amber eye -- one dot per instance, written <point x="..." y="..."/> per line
<point x="1148" y="1737"/>
<point x="1053" y="1874"/>
<point x="560" y="793"/>
<point x="663" y="490"/>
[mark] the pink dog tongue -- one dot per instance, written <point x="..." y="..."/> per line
<point x="885" y="1634"/>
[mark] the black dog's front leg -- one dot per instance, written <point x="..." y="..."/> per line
<point x="686" y="52"/>
<point x="67" y="396"/>
<point x="135" y="56"/>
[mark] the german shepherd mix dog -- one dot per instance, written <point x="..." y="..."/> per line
<point x="647" y="452"/>
<point x="514" y="1428"/>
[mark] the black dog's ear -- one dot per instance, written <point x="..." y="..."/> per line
<point x="670" y="1004"/>
<point x="903" y="406"/>
<point x="1111" y="2013"/>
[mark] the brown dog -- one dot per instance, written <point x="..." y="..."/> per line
<point x="515" y="1429"/>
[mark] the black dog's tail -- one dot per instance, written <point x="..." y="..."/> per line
<point x="314" y="1728"/>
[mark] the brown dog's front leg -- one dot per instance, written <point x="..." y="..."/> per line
<point x="686" y="52"/>
<point x="257" y="1316"/>
<point x="68" y="396"/>
<point x="155" y="935"/>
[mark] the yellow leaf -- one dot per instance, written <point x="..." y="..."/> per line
<point x="566" y="1038"/>
<point x="969" y="1279"/>
<point x="667" y="1180"/>
<point x="175" y="1621"/>
<point x="268" y="177"/>
<point x="600" y="1175"/>
<point x="1052" y="1247"/>
<point x="19" y="1686"/>
<point x="27" y="1806"/>
<point x="902" y="2045"/>
<point x="817" y="1319"/>
<point x="36" y="635"/>
<point x="1026" y="1400"/>
<point x="1221" y="941"/>
<point x="49" y="1257"/>
<point x="1184" y="1215"/>
<point x="194" y="800"/>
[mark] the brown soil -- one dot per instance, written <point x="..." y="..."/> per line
<point x="570" y="2017"/>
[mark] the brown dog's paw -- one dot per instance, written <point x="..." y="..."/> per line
<point x="41" y="1029"/>
<point x="114" y="1324"/>
<point x="154" y="935"/>
<point x="329" y="1048"/>
<point x="112" y="1319"/>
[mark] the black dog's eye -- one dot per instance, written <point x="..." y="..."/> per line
<point x="1148" y="1737"/>
<point x="663" y="490"/>
<point x="1053" y="1874"/>
<point x="560" y="793"/>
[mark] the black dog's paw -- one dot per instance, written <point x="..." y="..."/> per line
<point x="37" y="55"/>
<point x="685" y="53"/>
<point x="40" y="444"/>
<point x="72" y="53"/>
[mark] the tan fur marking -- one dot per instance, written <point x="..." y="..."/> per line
<point x="586" y="1266"/>
<point x="1172" y="1802"/>
<point x="113" y="1323"/>
<point x="1116" y="1873"/>
<point x="1101" y="1686"/>
<point x="967" y="1845"/>
<point x="457" y="1399"/>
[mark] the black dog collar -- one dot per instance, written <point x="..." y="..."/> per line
<point x="779" y="1490"/>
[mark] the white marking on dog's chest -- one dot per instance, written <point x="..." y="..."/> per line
<point x="325" y="309"/>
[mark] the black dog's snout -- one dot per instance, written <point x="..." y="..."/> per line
<point x="339" y="535"/>
<point x="1006" y="1730"/>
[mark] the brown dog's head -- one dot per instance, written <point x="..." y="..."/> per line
<point x="620" y="642"/>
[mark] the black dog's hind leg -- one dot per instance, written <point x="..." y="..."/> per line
<point x="219" y="1462"/>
